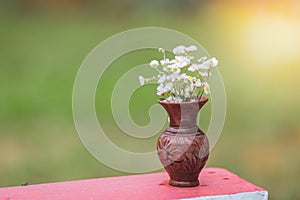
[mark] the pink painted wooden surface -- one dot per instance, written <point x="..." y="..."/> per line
<point x="213" y="181"/>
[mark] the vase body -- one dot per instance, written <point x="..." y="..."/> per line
<point x="183" y="148"/>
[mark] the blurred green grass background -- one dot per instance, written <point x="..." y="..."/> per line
<point x="44" y="42"/>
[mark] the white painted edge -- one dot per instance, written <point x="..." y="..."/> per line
<point x="258" y="195"/>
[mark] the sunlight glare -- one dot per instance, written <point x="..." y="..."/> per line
<point x="272" y="39"/>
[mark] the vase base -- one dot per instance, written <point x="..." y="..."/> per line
<point x="183" y="183"/>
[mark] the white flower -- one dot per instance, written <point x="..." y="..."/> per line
<point x="178" y="59"/>
<point x="205" y="74"/>
<point x="168" y="87"/>
<point x="206" y="65"/>
<point x="162" y="50"/>
<point x="214" y="62"/>
<point x="165" y="62"/>
<point x="191" y="48"/>
<point x="160" y="90"/>
<point x="175" y="68"/>
<point x="181" y="77"/>
<point x="200" y="66"/>
<point x="154" y="63"/>
<point x="173" y="77"/>
<point x="206" y="88"/>
<point x="173" y="61"/>
<point x="198" y="83"/>
<point x="185" y="80"/>
<point x="162" y="79"/>
<point x="188" y="74"/>
<point x="179" y="50"/>
<point x="182" y="61"/>
<point x="190" y="78"/>
<point x="192" y="68"/>
<point x="141" y="80"/>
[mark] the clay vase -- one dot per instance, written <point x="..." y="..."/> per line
<point x="183" y="148"/>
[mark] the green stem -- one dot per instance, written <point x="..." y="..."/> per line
<point x="201" y="93"/>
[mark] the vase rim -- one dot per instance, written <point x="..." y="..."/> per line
<point x="200" y="100"/>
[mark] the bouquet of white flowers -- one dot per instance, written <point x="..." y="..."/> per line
<point x="181" y="79"/>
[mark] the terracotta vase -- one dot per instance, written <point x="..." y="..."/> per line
<point x="183" y="148"/>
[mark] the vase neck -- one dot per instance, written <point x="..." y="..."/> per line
<point x="183" y="114"/>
